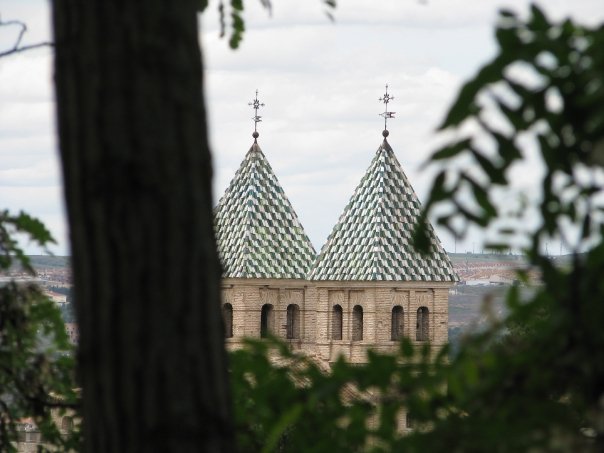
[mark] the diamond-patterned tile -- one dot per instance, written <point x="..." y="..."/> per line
<point x="257" y="230"/>
<point x="372" y="239"/>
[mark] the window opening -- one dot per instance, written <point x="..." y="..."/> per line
<point x="336" y="323"/>
<point x="293" y="322"/>
<point x="423" y="324"/>
<point x="267" y="320"/>
<point x="398" y="323"/>
<point x="357" y="323"/>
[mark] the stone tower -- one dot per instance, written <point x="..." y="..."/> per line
<point x="265" y="255"/>
<point x="367" y="289"/>
<point x="372" y="286"/>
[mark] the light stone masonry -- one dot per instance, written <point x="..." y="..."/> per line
<point x="311" y="327"/>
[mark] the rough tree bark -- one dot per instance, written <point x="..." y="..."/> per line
<point x="137" y="171"/>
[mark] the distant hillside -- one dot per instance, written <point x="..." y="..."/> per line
<point x="459" y="259"/>
<point x="476" y="258"/>
<point x="46" y="261"/>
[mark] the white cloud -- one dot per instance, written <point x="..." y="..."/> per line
<point x="320" y="82"/>
<point x="31" y="174"/>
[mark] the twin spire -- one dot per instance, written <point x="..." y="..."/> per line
<point x="259" y="234"/>
<point x="386" y="98"/>
<point x="256" y="104"/>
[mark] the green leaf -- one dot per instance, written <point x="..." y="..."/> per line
<point x="508" y="39"/>
<point x="492" y="171"/>
<point x="438" y="191"/>
<point x="507" y="149"/>
<point x="421" y="238"/>
<point x="482" y="197"/>
<point x="288" y="419"/>
<point x="538" y="20"/>
<point x="238" y="28"/>
<point x="203" y="4"/>
<point x="449" y="151"/>
<point x="514" y="116"/>
<point x="37" y="231"/>
<point x="465" y="105"/>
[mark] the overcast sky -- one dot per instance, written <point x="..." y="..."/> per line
<point x="320" y="81"/>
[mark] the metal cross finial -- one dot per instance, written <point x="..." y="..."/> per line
<point x="256" y="104"/>
<point x="386" y="98"/>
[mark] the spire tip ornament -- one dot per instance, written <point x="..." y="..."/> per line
<point x="386" y="98"/>
<point x="256" y="104"/>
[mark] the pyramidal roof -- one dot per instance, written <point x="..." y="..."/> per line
<point x="257" y="230"/>
<point x="373" y="237"/>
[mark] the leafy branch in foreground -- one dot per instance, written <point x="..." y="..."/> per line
<point x="540" y="386"/>
<point x="545" y="87"/>
<point x="288" y="402"/>
<point x="530" y="382"/>
<point x="237" y="24"/>
<point x="10" y="251"/>
<point x="37" y="370"/>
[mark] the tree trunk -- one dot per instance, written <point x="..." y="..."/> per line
<point x="137" y="174"/>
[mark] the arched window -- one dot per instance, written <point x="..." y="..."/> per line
<point x="397" y="323"/>
<point x="293" y="321"/>
<point x="227" y="319"/>
<point x="409" y="422"/>
<point x="33" y="436"/>
<point x="267" y="320"/>
<point x="422" y="332"/>
<point x="357" y="323"/>
<point x="336" y="323"/>
<point x="66" y="424"/>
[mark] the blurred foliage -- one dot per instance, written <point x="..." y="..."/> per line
<point x="234" y="9"/>
<point x="12" y="225"/>
<point x="530" y="382"/>
<point x="36" y="358"/>
<point x="287" y="402"/>
<point x="546" y="84"/>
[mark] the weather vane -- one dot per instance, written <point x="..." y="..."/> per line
<point x="386" y="98"/>
<point x="256" y="104"/>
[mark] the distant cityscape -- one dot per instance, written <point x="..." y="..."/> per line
<point x="474" y="301"/>
<point x="483" y="280"/>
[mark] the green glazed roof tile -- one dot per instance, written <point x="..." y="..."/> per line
<point x="372" y="239"/>
<point x="257" y="230"/>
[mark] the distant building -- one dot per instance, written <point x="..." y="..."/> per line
<point x="497" y="279"/>
<point x="30" y="438"/>
<point x="72" y="331"/>
<point x="59" y="299"/>
<point x="367" y="287"/>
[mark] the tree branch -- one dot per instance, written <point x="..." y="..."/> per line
<point x="17" y="47"/>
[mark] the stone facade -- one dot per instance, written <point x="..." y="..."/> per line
<point x="366" y="289"/>
<point x="323" y="320"/>
<point x="30" y="438"/>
